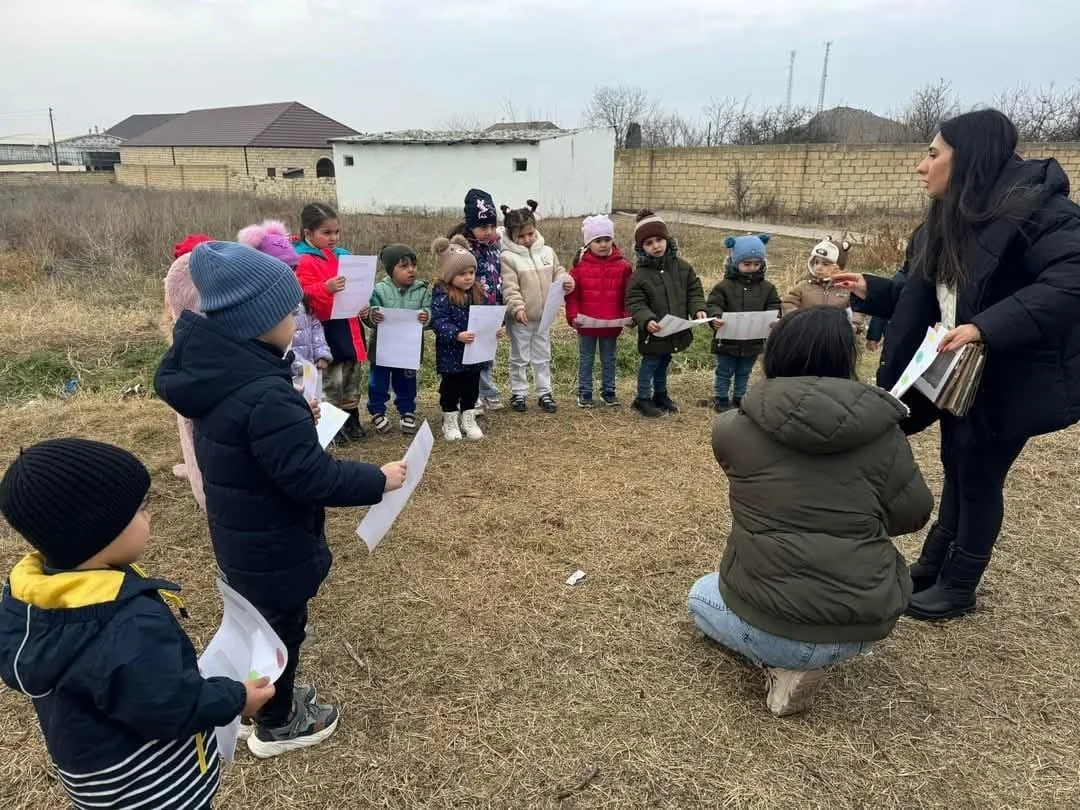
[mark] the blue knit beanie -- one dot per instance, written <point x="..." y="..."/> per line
<point x="747" y="247"/>
<point x="246" y="293"/>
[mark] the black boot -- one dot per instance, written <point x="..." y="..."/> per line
<point x="924" y="571"/>
<point x="954" y="592"/>
<point x="353" y="428"/>
<point x="721" y="404"/>
<point x="664" y="403"/>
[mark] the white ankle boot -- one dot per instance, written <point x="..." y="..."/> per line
<point x="450" y="430"/>
<point x="469" y="427"/>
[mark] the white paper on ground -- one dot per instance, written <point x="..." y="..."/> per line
<point x="484" y="322"/>
<point x="923" y="359"/>
<point x="244" y="647"/>
<point x="359" y="273"/>
<point x="331" y="420"/>
<point x="585" y="322"/>
<point x="670" y="325"/>
<point x="747" y="325"/>
<point x="555" y="297"/>
<point x="400" y="338"/>
<point x="379" y="518"/>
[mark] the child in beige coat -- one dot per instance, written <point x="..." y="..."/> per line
<point x="827" y="258"/>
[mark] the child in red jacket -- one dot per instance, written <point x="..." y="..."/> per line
<point x="320" y="280"/>
<point x="601" y="276"/>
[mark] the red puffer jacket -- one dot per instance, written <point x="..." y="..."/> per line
<point x="599" y="291"/>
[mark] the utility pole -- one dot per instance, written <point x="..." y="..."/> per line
<point x="55" y="154"/>
<point x="790" y="82"/>
<point x="824" y="78"/>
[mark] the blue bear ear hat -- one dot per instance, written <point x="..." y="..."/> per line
<point x="746" y="247"/>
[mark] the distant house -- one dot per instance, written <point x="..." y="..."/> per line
<point x="233" y="148"/>
<point x="94" y="151"/>
<point x="569" y="172"/>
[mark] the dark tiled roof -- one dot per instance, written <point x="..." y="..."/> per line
<point x="285" y="125"/>
<point x="135" y="125"/>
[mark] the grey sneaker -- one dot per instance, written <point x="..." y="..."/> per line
<point x="302" y="694"/>
<point x="792" y="691"/>
<point x="491" y="403"/>
<point x="311" y="723"/>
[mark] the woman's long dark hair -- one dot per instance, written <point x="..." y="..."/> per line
<point x="983" y="143"/>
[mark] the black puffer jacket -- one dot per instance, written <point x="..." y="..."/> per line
<point x="266" y="478"/>
<point x="1023" y="293"/>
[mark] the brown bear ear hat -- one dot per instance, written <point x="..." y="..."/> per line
<point x="452" y="257"/>
<point x="831" y="250"/>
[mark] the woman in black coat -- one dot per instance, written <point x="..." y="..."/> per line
<point x="996" y="260"/>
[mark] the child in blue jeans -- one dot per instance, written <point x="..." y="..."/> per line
<point x="743" y="289"/>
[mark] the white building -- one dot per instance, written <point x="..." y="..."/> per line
<point x="569" y="172"/>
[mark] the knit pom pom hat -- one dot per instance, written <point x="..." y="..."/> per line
<point x="189" y="243"/>
<point x="649" y="225"/>
<point x="747" y="247"/>
<point x="832" y="251"/>
<point x="271" y="238"/>
<point x="453" y="257"/>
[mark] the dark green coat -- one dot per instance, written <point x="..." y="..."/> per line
<point x="820" y="479"/>
<point x="659" y="287"/>
<point x="739" y="292"/>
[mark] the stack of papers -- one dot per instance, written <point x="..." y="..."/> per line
<point x="948" y="379"/>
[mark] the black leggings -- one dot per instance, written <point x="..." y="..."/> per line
<point x="459" y="392"/>
<point x="972" y="499"/>
<point x="291" y="626"/>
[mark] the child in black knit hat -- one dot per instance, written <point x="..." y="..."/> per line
<point x="90" y="639"/>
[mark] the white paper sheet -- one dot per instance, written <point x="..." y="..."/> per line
<point x="484" y="322"/>
<point x="312" y="390"/>
<point x="671" y="325"/>
<point x="359" y="272"/>
<point x="747" y="325"/>
<point x="379" y="518"/>
<point x="923" y="359"/>
<point x="585" y="322"/>
<point x="401" y="336"/>
<point x="244" y="647"/>
<point x="331" y="420"/>
<point x="555" y="297"/>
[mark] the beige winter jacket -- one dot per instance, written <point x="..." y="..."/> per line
<point x="815" y="292"/>
<point x="527" y="274"/>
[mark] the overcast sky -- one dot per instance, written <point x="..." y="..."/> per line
<point x="394" y="64"/>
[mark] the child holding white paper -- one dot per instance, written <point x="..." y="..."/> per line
<point x="827" y="258"/>
<point x="266" y="477"/>
<point x="529" y="267"/>
<point x="456" y="290"/>
<point x="663" y="284"/>
<point x="401" y="289"/>
<point x="319" y="277"/>
<point x="93" y="643"/>
<point x="743" y="289"/>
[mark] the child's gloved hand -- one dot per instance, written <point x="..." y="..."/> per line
<point x="395" y="475"/>
<point x="259" y="690"/>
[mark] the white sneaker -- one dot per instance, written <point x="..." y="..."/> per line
<point x="792" y="691"/>
<point x="470" y="428"/>
<point x="450" y="430"/>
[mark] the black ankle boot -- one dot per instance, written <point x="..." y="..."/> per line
<point x="954" y="593"/>
<point x="924" y="571"/>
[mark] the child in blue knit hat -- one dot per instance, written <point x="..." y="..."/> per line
<point x="266" y="478"/>
<point x="743" y="289"/>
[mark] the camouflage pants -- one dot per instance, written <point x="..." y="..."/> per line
<point x="341" y="384"/>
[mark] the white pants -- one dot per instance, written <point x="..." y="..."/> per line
<point x="528" y="347"/>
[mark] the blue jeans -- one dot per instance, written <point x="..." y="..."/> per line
<point x="381" y="380"/>
<point x="487" y="382"/>
<point x="728" y="366"/>
<point x="587" y="346"/>
<point x="652" y="375"/>
<point x="719" y="622"/>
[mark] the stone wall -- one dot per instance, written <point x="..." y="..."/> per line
<point x="789" y="180"/>
<point x="63" y="178"/>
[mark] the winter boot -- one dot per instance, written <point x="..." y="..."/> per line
<point x="954" y="592"/>
<point x="646" y="408"/>
<point x="353" y="429"/>
<point x="721" y="404"/>
<point x="924" y="571"/>
<point x="664" y="403"/>
<point x="737" y="403"/>
<point x="450" y="430"/>
<point x="469" y="427"/>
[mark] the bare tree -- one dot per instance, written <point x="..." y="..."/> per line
<point x="928" y="108"/>
<point x="721" y="119"/>
<point x="742" y="182"/>
<point x="616" y="107"/>
<point x="671" y="129"/>
<point x="772" y="125"/>
<point x="463" y="122"/>
<point x="1043" y="114"/>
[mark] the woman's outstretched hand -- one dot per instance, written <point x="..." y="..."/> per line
<point x="960" y="336"/>
<point x="852" y="282"/>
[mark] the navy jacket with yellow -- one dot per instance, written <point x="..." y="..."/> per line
<point x="127" y="718"/>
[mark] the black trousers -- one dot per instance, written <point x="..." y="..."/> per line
<point x="972" y="503"/>
<point x="290" y="626"/>
<point x="459" y="392"/>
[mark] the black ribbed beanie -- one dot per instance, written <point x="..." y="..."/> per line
<point x="70" y="498"/>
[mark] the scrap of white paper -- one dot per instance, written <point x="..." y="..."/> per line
<point x="331" y="420"/>
<point x="379" y="518"/>
<point x="401" y="336"/>
<point x="575" y="578"/>
<point x="243" y="648"/>
<point x="359" y="273"/>
<point x="484" y="322"/>
<point x="670" y="325"/>
<point x="923" y="359"/>
<point x="585" y="322"/>
<point x="747" y="325"/>
<point x="312" y="383"/>
<point x="555" y="296"/>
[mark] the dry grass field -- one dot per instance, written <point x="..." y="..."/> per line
<point x="468" y="673"/>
